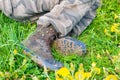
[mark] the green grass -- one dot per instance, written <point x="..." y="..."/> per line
<point x="12" y="33"/>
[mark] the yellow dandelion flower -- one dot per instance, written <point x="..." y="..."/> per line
<point x="79" y="75"/>
<point x="15" y="52"/>
<point x="1" y="74"/>
<point x="98" y="56"/>
<point x="114" y="28"/>
<point x="87" y="74"/>
<point x="96" y="70"/>
<point x="116" y="16"/>
<point x="111" y="77"/>
<point x="105" y="31"/>
<point x="93" y="64"/>
<point x="63" y="71"/>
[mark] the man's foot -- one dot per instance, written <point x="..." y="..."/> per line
<point x="37" y="47"/>
<point x="68" y="45"/>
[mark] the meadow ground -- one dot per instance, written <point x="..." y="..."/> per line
<point x="102" y="59"/>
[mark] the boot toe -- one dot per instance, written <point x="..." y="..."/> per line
<point x="52" y="64"/>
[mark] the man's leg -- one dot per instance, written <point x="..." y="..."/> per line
<point x="66" y="15"/>
<point x="37" y="45"/>
<point x="63" y="18"/>
<point x="26" y="9"/>
<point x="71" y="18"/>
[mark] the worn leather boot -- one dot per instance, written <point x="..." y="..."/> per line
<point x="37" y="47"/>
<point x="68" y="45"/>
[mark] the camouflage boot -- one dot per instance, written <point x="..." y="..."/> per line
<point x="37" y="47"/>
<point x="68" y="46"/>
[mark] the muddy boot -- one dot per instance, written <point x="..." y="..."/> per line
<point x="37" y="47"/>
<point x="69" y="45"/>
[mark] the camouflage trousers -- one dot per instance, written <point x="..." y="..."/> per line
<point x="66" y="16"/>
